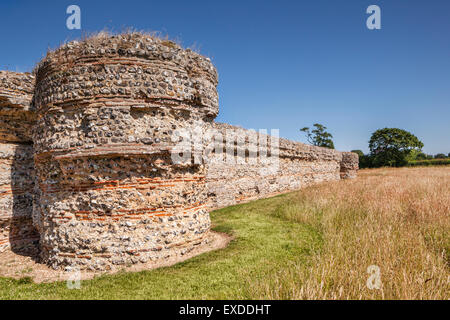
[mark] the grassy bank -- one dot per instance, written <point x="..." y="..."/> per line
<point x="312" y="244"/>
<point x="263" y="245"/>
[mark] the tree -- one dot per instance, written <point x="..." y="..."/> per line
<point x="364" y="160"/>
<point x="392" y="146"/>
<point x="319" y="136"/>
<point x="421" y="156"/>
<point x="358" y="152"/>
<point x="415" y="155"/>
<point x="440" y="156"/>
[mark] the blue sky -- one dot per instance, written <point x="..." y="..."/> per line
<point x="282" y="64"/>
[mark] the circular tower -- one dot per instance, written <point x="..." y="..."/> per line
<point x="107" y="110"/>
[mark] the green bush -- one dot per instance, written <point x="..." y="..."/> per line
<point x="433" y="162"/>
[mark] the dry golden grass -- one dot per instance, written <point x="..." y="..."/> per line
<point x="396" y="219"/>
<point x="316" y="243"/>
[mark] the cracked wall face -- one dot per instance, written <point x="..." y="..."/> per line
<point x="85" y="154"/>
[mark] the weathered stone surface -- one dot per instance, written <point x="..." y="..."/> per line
<point x="109" y="192"/>
<point x="349" y="165"/>
<point x="16" y="161"/>
<point x="16" y="196"/>
<point x="299" y="165"/>
<point x="85" y="154"/>
<point x="16" y="116"/>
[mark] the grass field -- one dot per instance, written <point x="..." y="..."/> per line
<point x="316" y="243"/>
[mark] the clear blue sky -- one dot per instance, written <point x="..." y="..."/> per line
<point x="283" y="64"/>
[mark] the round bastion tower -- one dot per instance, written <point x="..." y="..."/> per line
<point x="109" y="193"/>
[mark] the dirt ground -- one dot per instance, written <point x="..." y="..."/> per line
<point x="13" y="265"/>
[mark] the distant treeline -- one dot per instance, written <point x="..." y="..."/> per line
<point x="432" y="162"/>
<point x="414" y="159"/>
<point x="389" y="147"/>
<point x="393" y="147"/>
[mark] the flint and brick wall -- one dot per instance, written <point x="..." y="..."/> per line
<point x="109" y="191"/>
<point x="349" y="165"/>
<point x="299" y="165"/>
<point x="16" y="161"/>
<point x="85" y="154"/>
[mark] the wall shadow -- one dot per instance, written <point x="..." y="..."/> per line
<point x="23" y="236"/>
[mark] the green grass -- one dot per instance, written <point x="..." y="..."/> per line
<point x="266" y="241"/>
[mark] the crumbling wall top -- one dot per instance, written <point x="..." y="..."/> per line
<point x="289" y="148"/>
<point x="134" y="65"/>
<point x="137" y="45"/>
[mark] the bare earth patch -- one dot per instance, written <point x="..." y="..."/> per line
<point x="16" y="266"/>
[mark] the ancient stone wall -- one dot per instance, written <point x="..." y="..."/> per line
<point x="349" y="165"/>
<point x="16" y="161"/>
<point x="109" y="191"/>
<point x="299" y="165"/>
<point x="86" y="154"/>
